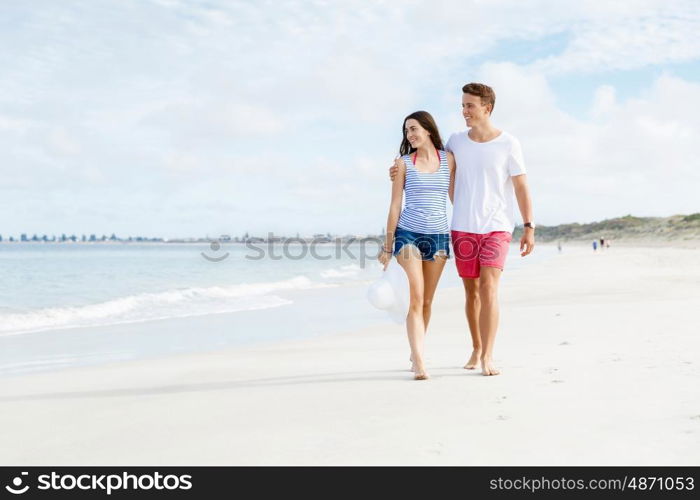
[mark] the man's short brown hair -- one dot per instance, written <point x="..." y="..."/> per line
<point x="488" y="96"/>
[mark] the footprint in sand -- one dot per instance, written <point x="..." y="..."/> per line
<point x="695" y="417"/>
<point x="502" y="417"/>
<point x="565" y="343"/>
<point x="557" y="381"/>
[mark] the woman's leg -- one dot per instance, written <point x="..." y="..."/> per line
<point x="432" y="269"/>
<point x="410" y="260"/>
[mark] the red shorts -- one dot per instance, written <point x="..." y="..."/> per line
<point x="475" y="250"/>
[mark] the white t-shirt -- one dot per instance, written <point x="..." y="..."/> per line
<point x="484" y="199"/>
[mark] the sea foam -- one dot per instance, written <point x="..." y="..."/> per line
<point x="175" y="303"/>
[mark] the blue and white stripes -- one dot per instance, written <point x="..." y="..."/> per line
<point x="426" y="194"/>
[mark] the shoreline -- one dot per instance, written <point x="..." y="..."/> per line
<point x="322" y="309"/>
<point x="44" y="350"/>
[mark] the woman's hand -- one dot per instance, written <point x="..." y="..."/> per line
<point x="394" y="169"/>
<point x="384" y="258"/>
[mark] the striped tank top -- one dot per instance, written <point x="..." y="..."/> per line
<point x="425" y="208"/>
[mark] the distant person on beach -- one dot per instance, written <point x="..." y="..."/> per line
<point x="490" y="176"/>
<point x="602" y="243"/>
<point x="559" y="246"/>
<point x="595" y="245"/>
<point x="419" y="234"/>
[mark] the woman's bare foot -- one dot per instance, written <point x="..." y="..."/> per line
<point x="421" y="375"/>
<point x="474" y="360"/>
<point x="419" y="372"/>
<point x="487" y="367"/>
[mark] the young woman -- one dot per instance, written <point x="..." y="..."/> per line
<point x="419" y="234"/>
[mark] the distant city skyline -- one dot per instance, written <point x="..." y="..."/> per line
<point x="173" y="119"/>
<point x="271" y="236"/>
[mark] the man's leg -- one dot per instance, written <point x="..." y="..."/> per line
<point x="488" y="316"/>
<point x="472" y="308"/>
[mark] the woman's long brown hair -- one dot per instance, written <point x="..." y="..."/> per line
<point x="428" y="123"/>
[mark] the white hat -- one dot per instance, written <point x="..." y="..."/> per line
<point x="391" y="292"/>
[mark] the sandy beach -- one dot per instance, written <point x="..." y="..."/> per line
<point x="599" y="353"/>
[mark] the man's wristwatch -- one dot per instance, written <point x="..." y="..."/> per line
<point x="531" y="225"/>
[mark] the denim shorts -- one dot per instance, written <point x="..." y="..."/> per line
<point x="427" y="244"/>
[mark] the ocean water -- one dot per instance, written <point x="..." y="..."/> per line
<point x="51" y="292"/>
<point x="50" y="286"/>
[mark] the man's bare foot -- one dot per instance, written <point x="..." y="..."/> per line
<point x="474" y="360"/>
<point x="487" y="368"/>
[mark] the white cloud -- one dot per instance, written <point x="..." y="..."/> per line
<point x="603" y="101"/>
<point x="630" y="38"/>
<point x="14" y="124"/>
<point x="61" y="142"/>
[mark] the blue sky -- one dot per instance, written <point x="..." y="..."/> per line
<point x="173" y="118"/>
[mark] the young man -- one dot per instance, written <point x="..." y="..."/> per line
<point x="490" y="176"/>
